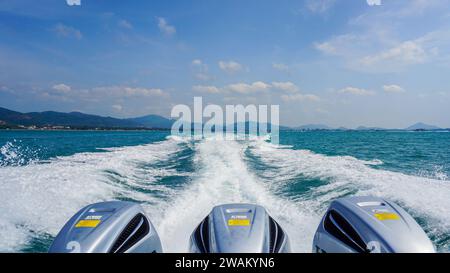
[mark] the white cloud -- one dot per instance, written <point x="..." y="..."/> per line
<point x="418" y="7"/>
<point x="203" y="77"/>
<point x="409" y="52"/>
<point x="281" y="67"/>
<point x="206" y="89"/>
<point x="326" y="47"/>
<point x="374" y="2"/>
<point x="125" y="91"/>
<point x="201" y="70"/>
<point x="132" y="91"/>
<point x="393" y="88"/>
<point x="197" y="62"/>
<point x="433" y="46"/>
<point x="245" y="88"/>
<point x="286" y="86"/>
<point x="319" y="6"/>
<point x="73" y="2"/>
<point x="67" y="31"/>
<point x="241" y="88"/>
<point x="62" y="88"/>
<point x="165" y="28"/>
<point x="125" y="24"/>
<point x="6" y="89"/>
<point x="356" y="91"/>
<point x="117" y="107"/>
<point x="230" y="66"/>
<point x="248" y="88"/>
<point x="293" y="93"/>
<point x="299" y="97"/>
<point x="342" y="45"/>
<point x="377" y="51"/>
<point x="380" y="39"/>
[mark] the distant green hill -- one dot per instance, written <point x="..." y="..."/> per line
<point x="78" y="120"/>
<point x="13" y="119"/>
<point x="152" y="121"/>
<point x="422" y="126"/>
<point x="313" y="127"/>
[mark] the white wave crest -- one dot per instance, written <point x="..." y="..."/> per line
<point x="42" y="197"/>
<point x="424" y="197"/>
<point x="223" y="177"/>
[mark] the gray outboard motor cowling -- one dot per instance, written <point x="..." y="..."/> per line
<point x="239" y="228"/>
<point x="369" y="225"/>
<point x="108" y="227"/>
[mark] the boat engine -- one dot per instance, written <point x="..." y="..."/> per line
<point x="239" y="228"/>
<point x="108" y="227"/>
<point x="369" y="225"/>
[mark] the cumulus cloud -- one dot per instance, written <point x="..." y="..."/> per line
<point x="374" y="2"/>
<point x="280" y="67"/>
<point x="73" y="2"/>
<point x="125" y="24"/>
<point x="202" y="77"/>
<point x="286" y="86"/>
<point x="343" y="45"/>
<point x="67" y="31"/>
<point x="245" y="88"/>
<point x="299" y="97"/>
<point x="381" y="47"/>
<point x="356" y="91"/>
<point x="230" y="66"/>
<point x="292" y="91"/>
<point x="409" y="52"/>
<point x="393" y="88"/>
<point x="206" y="89"/>
<point x="201" y="70"/>
<point x="432" y="46"/>
<point x="326" y="47"/>
<point x="241" y="88"/>
<point x="61" y="88"/>
<point x="197" y="62"/>
<point x="125" y="91"/>
<point x="6" y="89"/>
<point x="165" y="28"/>
<point x="319" y="6"/>
<point x="117" y="107"/>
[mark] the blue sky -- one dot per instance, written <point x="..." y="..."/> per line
<point x="338" y="62"/>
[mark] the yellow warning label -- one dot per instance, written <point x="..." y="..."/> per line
<point x="87" y="223"/>
<point x="239" y="222"/>
<point x="382" y="216"/>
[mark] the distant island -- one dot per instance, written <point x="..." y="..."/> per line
<point x="51" y="120"/>
<point x="420" y="126"/>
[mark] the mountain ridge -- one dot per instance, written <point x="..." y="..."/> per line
<point x="78" y="120"/>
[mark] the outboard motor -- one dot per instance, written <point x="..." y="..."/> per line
<point x="108" y="227"/>
<point x="239" y="228"/>
<point x="369" y="225"/>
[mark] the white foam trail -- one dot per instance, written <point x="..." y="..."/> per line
<point x="42" y="197"/>
<point x="12" y="154"/>
<point x="222" y="177"/>
<point x="429" y="198"/>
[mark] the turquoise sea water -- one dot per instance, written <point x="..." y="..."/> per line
<point x="46" y="176"/>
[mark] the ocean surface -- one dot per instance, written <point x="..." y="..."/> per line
<point x="47" y="176"/>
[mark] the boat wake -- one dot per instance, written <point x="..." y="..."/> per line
<point x="178" y="181"/>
